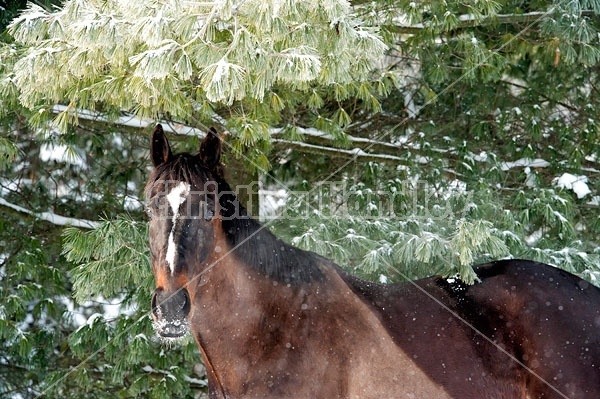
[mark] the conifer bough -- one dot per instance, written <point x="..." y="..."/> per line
<point x="156" y="57"/>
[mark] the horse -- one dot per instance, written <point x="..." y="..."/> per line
<point x="274" y="321"/>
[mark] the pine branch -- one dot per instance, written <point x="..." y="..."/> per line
<point x="562" y="103"/>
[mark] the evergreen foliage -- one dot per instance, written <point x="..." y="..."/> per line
<point x="111" y="257"/>
<point x="394" y="230"/>
<point x="184" y="58"/>
<point x="412" y="138"/>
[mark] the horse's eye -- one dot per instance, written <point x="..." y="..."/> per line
<point x="149" y="213"/>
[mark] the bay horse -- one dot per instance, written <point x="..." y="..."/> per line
<point x="274" y="321"/>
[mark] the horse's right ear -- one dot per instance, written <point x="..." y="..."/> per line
<point x="160" y="150"/>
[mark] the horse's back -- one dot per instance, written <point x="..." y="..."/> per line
<point x="524" y="329"/>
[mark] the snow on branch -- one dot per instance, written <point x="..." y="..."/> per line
<point x="180" y="129"/>
<point x="470" y="21"/>
<point x="130" y="120"/>
<point x="51" y="217"/>
<point x="355" y="152"/>
<point x="312" y="132"/>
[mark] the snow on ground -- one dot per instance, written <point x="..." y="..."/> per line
<point x="534" y="237"/>
<point x="271" y="201"/>
<point x="54" y="151"/>
<point x="62" y="153"/>
<point x="577" y="183"/>
<point x="132" y="203"/>
<point x="110" y="310"/>
<point x="525" y="162"/>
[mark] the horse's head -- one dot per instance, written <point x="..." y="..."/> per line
<point x="182" y="200"/>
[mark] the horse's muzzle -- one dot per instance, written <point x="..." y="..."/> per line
<point x="170" y="311"/>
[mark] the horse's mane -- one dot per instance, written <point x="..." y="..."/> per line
<point x="251" y="242"/>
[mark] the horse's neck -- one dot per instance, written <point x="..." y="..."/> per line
<point x="242" y="318"/>
<point x="235" y="299"/>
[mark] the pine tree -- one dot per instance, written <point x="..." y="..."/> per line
<point x="412" y="138"/>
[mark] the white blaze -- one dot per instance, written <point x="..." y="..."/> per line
<point x="176" y="197"/>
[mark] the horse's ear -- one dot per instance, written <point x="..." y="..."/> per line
<point x="210" y="149"/>
<point x="160" y="150"/>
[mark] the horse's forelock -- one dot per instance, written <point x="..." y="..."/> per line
<point x="184" y="168"/>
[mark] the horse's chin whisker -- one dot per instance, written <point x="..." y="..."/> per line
<point x="161" y="325"/>
<point x="170" y="342"/>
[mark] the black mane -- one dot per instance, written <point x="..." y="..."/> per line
<point x="252" y="243"/>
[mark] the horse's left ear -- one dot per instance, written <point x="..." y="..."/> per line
<point x="160" y="150"/>
<point x="210" y="149"/>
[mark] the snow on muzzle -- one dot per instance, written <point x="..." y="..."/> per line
<point x="170" y="311"/>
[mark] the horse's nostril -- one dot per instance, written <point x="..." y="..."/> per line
<point x="173" y="306"/>
<point x="154" y="304"/>
<point x="185" y="303"/>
